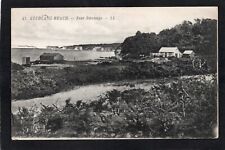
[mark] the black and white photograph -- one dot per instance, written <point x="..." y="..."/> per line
<point x="114" y="73"/>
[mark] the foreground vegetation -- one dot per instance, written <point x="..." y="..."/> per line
<point x="37" y="82"/>
<point x="177" y="108"/>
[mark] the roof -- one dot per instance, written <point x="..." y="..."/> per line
<point x="188" y="51"/>
<point x="168" y="49"/>
<point x="50" y="54"/>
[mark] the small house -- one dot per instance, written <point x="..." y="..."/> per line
<point x="170" y="52"/>
<point x="188" y="54"/>
<point x="51" y="57"/>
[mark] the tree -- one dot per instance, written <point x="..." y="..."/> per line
<point x="201" y="36"/>
<point x="140" y="44"/>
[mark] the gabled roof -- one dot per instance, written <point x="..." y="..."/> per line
<point x="168" y="49"/>
<point x="188" y="52"/>
<point x="50" y="54"/>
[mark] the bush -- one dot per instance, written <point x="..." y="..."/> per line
<point x="178" y="108"/>
<point x="27" y="85"/>
<point x="54" y="123"/>
<point x="16" y="67"/>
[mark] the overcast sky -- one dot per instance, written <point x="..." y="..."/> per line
<point x="126" y="22"/>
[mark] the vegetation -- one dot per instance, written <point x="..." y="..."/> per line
<point x="38" y="82"/>
<point x="16" y="67"/>
<point x="31" y="83"/>
<point x="178" y="108"/>
<point x="140" y="44"/>
<point x="201" y="36"/>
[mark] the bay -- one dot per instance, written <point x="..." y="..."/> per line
<point x="70" y="55"/>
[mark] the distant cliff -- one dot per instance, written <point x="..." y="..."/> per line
<point x="94" y="47"/>
<point x="23" y="46"/>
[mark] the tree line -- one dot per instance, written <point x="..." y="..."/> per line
<point x="200" y="36"/>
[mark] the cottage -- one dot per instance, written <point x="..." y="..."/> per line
<point x="51" y="57"/>
<point x="188" y="54"/>
<point x="170" y="52"/>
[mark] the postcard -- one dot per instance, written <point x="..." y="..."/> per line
<point x="114" y="73"/>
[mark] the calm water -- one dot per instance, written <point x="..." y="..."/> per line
<point x="34" y="54"/>
<point x="85" y="93"/>
<point x="92" y="92"/>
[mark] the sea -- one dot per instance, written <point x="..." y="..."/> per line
<point x="70" y="55"/>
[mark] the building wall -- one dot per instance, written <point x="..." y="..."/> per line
<point x="52" y="58"/>
<point x="171" y="54"/>
<point x="189" y="55"/>
<point x="58" y="57"/>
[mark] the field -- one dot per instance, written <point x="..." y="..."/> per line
<point x="179" y="107"/>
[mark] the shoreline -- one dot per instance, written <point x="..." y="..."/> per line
<point x="118" y="83"/>
<point x="94" y="91"/>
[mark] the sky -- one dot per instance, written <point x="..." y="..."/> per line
<point x="96" y="25"/>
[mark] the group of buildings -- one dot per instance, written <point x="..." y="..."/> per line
<point x="163" y="52"/>
<point x="173" y="52"/>
<point x="81" y="48"/>
<point x="78" y="48"/>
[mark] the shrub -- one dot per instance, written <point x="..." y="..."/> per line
<point x="49" y="81"/>
<point x="178" y="108"/>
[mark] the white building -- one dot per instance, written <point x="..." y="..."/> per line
<point x="188" y="54"/>
<point x="170" y="52"/>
